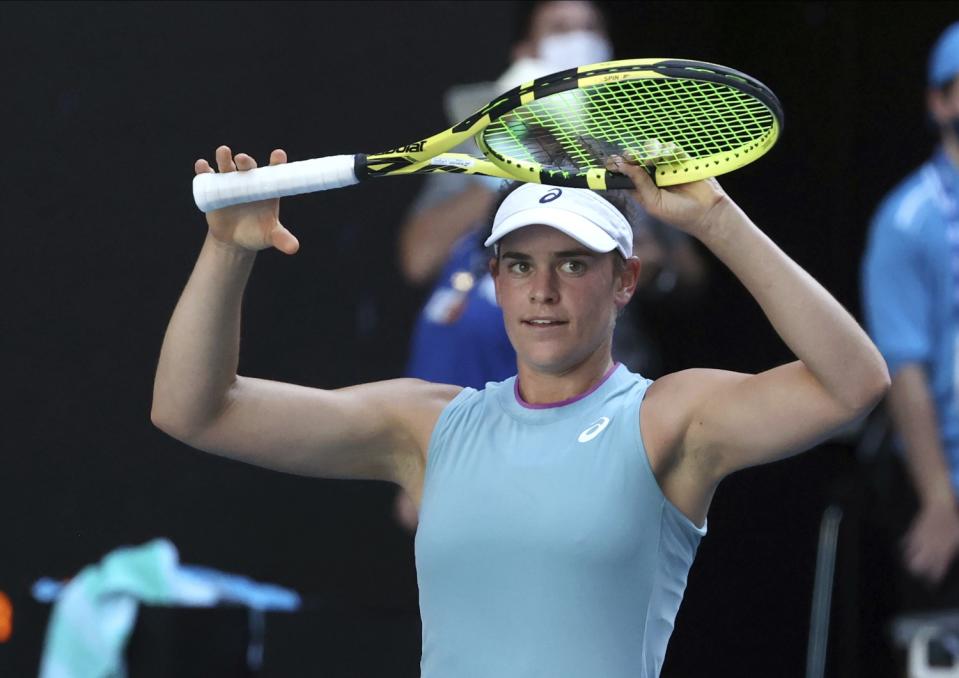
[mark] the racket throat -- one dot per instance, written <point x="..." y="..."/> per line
<point x="381" y="165"/>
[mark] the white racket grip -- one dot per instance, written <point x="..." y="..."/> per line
<point x="213" y="191"/>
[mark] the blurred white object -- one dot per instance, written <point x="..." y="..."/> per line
<point x="576" y="48"/>
<point x="917" y="632"/>
<point x="919" y="666"/>
<point x="556" y="53"/>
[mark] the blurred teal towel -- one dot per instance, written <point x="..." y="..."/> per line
<point x="95" y="612"/>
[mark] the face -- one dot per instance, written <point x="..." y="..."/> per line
<point x="559" y="299"/>
<point x="944" y="107"/>
<point x="554" y="18"/>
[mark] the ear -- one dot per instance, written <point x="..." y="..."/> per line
<point x="937" y="105"/>
<point x="627" y="281"/>
<point x="494" y="274"/>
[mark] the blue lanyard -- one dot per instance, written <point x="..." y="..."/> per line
<point x="947" y="192"/>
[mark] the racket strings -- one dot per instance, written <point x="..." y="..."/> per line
<point x="693" y="118"/>
<point x="681" y="121"/>
<point x="666" y="122"/>
<point x="550" y="131"/>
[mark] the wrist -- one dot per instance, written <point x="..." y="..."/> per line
<point x="723" y="221"/>
<point x="229" y="249"/>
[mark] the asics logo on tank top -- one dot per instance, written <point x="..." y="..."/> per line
<point x="594" y="430"/>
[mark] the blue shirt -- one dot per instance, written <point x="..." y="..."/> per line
<point x="545" y="545"/>
<point x="909" y="289"/>
<point x="459" y="336"/>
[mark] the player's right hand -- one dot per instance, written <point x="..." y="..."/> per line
<point x="932" y="542"/>
<point x="250" y="226"/>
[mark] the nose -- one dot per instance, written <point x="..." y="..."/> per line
<point x="543" y="287"/>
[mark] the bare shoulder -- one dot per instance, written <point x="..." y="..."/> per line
<point x="414" y="404"/>
<point x="405" y="393"/>
<point x="693" y="384"/>
<point x="406" y="396"/>
<point x="673" y="406"/>
<point x="705" y="424"/>
<point x="670" y="406"/>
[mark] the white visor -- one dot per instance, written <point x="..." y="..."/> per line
<point x="578" y="212"/>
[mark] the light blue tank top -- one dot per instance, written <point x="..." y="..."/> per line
<point x="545" y="546"/>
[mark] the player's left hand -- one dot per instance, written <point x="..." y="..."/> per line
<point x="248" y="226"/>
<point x="691" y="207"/>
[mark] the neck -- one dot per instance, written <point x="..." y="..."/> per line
<point x="951" y="144"/>
<point x="537" y="387"/>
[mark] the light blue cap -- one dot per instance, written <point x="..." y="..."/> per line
<point x="944" y="58"/>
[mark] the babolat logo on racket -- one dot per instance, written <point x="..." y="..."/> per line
<point x="412" y="148"/>
<point x="551" y="195"/>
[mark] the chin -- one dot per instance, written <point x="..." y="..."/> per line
<point x="550" y="360"/>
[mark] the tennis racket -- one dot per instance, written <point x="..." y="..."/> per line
<point x="682" y="120"/>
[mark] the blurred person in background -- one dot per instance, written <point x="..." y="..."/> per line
<point x="459" y="336"/>
<point x="910" y="282"/>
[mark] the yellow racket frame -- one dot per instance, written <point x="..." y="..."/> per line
<point x="432" y="154"/>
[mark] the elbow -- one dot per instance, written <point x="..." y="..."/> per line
<point x="167" y="420"/>
<point x="871" y="388"/>
<point x="190" y="414"/>
<point x="881" y="381"/>
<point x="161" y="414"/>
<point x="175" y="421"/>
<point x="885" y="381"/>
<point x="187" y="417"/>
<point x="878" y="389"/>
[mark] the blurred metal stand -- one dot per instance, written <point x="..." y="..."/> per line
<point x="868" y="438"/>
<point x="822" y="592"/>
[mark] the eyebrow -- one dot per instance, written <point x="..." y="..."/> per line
<point x="565" y="254"/>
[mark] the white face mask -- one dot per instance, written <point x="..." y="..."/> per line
<point x="557" y="53"/>
<point x="577" y="48"/>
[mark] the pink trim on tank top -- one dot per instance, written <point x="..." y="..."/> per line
<point x="561" y="403"/>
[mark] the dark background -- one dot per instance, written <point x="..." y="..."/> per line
<point x="105" y="106"/>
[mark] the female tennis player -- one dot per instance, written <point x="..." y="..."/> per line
<point x="560" y="509"/>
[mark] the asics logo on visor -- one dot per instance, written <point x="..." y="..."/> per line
<point x="551" y="196"/>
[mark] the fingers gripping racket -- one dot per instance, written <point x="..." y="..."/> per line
<point x="683" y="120"/>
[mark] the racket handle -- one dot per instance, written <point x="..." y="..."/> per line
<point x="213" y="191"/>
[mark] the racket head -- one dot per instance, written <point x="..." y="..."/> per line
<point x="683" y="120"/>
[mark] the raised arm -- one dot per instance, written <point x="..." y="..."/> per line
<point x="713" y="422"/>
<point x="375" y="431"/>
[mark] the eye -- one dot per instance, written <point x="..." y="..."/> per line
<point x="519" y="267"/>
<point x="573" y="267"/>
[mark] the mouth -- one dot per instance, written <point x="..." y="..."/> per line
<point x="544" y="323"/>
